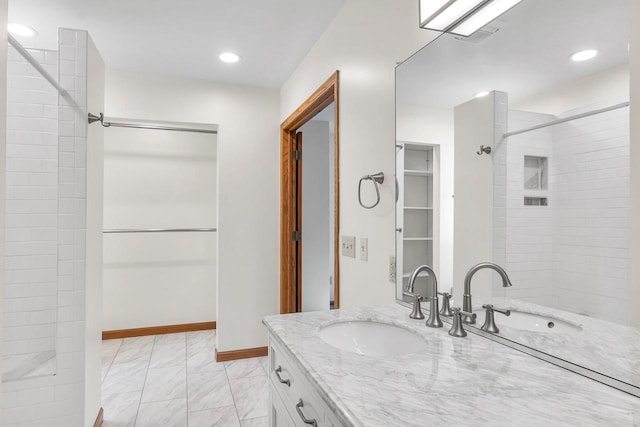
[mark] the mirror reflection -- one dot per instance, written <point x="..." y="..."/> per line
<point x="537" y="105"/>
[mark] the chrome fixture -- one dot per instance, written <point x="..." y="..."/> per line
<point x="416" y="311"/>
<point x="277" y="371"/>
<point x="484" y="149"/>
<point x="434" y="316"/>
<point x="376" y="178"/>
<point x="461" y="17"/>
<point x="490" y="321"/>
<point x="157" y="230"/>
<point x="466" y="297"/>
<point x="299" y="406"/>
<point x="446" y="304"/>
<point x="92" y="118"/>
<point x="568" y="119"/>
<point x="456" y="329"/>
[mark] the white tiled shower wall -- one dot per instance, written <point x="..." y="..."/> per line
<point x="590" y="181"/>
<point x="30" y="292"/>
<point x="58" y="400"/>
<point x="573" y="253"/>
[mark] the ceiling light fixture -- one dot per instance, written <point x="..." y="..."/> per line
<point x="229" y="57"/>
<point x="19" y="30"/>
<point x="482" y="94"/>
<point x="461" y="17"/>
<point x="584" y="55"/>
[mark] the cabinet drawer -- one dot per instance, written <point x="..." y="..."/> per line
<point x="298" y="397"/>
<point x="278" y="415"/>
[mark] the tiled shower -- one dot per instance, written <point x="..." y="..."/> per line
<point x="567" y="211"/>
<point x="45" y="309"/>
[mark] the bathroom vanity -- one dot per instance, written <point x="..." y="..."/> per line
<point x="443" y="381"/>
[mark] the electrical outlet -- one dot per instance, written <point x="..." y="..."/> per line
<point x="349" y="246"/>
<point x="364" y="249"/>
<point x="392" y="269"/>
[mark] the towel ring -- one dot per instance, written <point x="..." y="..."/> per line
<point x="377" y="178"/>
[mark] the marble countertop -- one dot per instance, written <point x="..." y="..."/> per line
<point x="456" y="381"/>
<point x="606" y="347"/>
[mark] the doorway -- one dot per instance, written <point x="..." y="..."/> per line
<point x="309" y="227"/>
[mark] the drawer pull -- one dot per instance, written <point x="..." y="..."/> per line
<point x="304" y="419"/>
<point x="277" y="371"/>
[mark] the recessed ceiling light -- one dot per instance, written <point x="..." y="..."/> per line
<point x="19" y="30"/>
<point x="584" y="55"/>
<point x="482" y="94"/>
<point x="229" y="57"/>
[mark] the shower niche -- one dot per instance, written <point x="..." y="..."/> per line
<point x="416" y="210"/>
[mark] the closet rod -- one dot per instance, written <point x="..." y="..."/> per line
<point x="567" y="119"/>
<point x="157" y="230"/>
<point x="93" y="118"/>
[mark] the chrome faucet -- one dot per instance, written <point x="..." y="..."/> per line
<point x="434" y="316"/>
<point x="466" y="297"/>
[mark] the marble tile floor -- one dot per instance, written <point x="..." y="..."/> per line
<point x="173" y="380"/>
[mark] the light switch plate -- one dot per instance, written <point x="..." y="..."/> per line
<point x="364" y="249"/>
<point x="349" y="246"/>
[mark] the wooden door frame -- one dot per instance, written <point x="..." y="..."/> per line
<point x="322" y="97"/>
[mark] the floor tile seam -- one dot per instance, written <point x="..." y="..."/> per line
<point x="186" y="378"/>
<point x="248" y="376"/>
<point x="233" y="398"/>
<point x="143" y="384"/>
<point x="111" y="363"/>
<point x="212" y="409"/>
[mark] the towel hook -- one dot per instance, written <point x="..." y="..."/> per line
<point x="484" y="149"/>
<point x="377" y="178"/>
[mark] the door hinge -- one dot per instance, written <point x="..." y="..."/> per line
<point x="297" y="154"/>
<point x="296" y="236"/>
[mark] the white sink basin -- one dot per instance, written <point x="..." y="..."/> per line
<point x="532" y="322"/>
<point x="372" y="338"/>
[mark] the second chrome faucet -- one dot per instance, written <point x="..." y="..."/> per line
<point x="434" y="313"/>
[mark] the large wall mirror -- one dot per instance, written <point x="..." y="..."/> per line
<point x="560" y="165"/>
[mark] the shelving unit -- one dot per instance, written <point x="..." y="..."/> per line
<point x="416" y="210"/>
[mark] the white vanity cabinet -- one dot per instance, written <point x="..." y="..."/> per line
<point x="288" y="388"/>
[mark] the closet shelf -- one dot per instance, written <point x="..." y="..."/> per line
<point x="418" y="208"/>
<point x="417" y="239"/>
<point x="412" y="172"/>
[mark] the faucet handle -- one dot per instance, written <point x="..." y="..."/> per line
<point x="446" y="304"/>
<point x="456" y="329"/>
<point x="489" y="320"/>
<point x="416" y="312"/>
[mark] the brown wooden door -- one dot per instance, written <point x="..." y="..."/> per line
<point x="297" y="176"/>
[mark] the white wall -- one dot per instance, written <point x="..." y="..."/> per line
<point x="634" y="247"/>
<point x="95" y="183"/>
<point x="609" y="84"/>
<point x="477" y="122"/>
<point x="364" y="42"/>
<point x="316" y="265"/>
<point x="248" y="187"/>
<point x="159" y="179"/>
<point x="435" y="126"/>
<point x="3" y="128"/>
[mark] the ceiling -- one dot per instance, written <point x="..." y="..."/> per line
<point x="184" y="38"/>
<point x="528" y="55"/>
